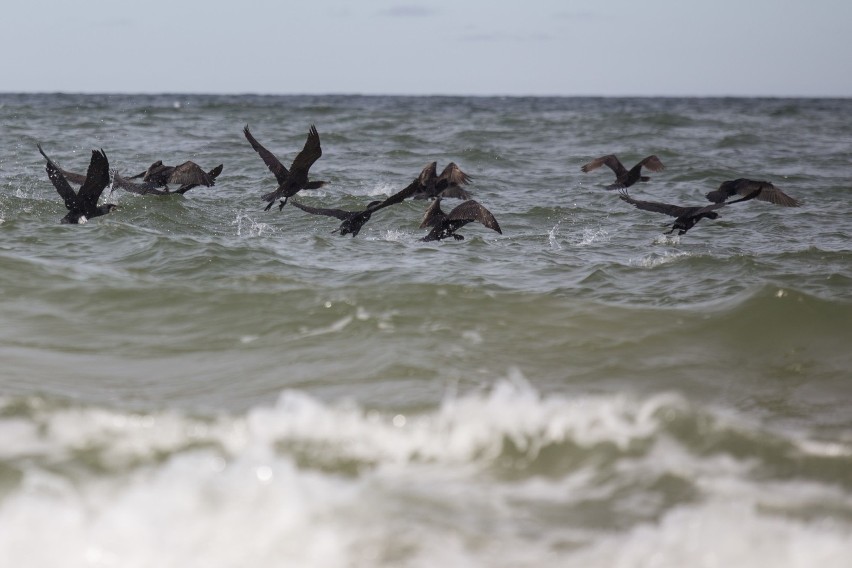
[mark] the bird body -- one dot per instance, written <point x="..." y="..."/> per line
<point x="296" y="178"/>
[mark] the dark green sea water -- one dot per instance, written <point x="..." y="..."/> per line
<point x="192" y="381"/>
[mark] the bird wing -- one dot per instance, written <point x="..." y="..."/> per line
<point x="397" y="197"/>
<point x="429" y="174"/>
<point x="454" y="176"/>
<point x="138" y="188"/>
<point x="455" y="192"/>
<point x="338" y="213"/>
<point x="609" y="160"/>
<point x="97" y="178"/>
<point x="653" y="163"/>
<point x="665" y="208"/>
<point x="766" y="192"/>
<point x="474" y="211"/>
<point x="309" y="154"/>
<point x="275" y="166"/>
<point x="75" y="178"/>
<point x="190" y="173"/>
<point x="59" y="182"/>
<point x="433" y="215"/>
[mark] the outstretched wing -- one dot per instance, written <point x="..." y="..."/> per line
<point x="653" y="163"/>
<point x="455" y="192"/>
<point x="474" y="211"/>
<point x="144" y="188"/>
<point x="337" y="213"/>
<point x="59" y="182"/>
<point x="433" y="215"/>
<point x="657" y="207"/>
<point x="275" y="166"/>
<point x="609" y="160"/>
<point x="75" y="178"/>
<point x="97" y="178"/>
<point x="309" y="154"/>
<point x="428" y="174"/>
<point x="397" y="197"/>
<point x="190" y="173"/>
<point x="766" y="191"/>
<point x="453" y="175"/>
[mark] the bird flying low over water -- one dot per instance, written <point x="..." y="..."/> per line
<point x="446" y="224"/>
<point x="765" y="192"/>
<point x="188" y="175"/>
<point x="685" y="217"/>
<point x="448" y="184"/>
<point x="296" y="178"/>
<point x="352" y="220"/>
<point x="82" y="205"/>
<point x="623" y="176"/>
<point x="354" y="223"/>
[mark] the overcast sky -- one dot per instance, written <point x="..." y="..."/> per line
<point x="463" y="47"/>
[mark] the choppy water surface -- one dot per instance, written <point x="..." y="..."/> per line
<point x="191" y="381"/>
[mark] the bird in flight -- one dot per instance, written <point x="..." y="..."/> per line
<point x="296" y="178"/>
<point x="82" y="205"/>
<point x="445" y="225"/>
<point x="623" y="176"/>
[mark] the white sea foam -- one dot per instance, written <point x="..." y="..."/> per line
<point x="309" y="483"/>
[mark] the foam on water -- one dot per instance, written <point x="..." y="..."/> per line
<point x="309" y="483"/>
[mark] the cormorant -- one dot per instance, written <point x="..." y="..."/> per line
<point x="446" y="224"/>
<point x="82" y="205"/>
<point x="352" y="220"/>
<point x="765" y="192"/>
<point x="685" y="217"/>
<point x="623" y="176"/>
<point x="289" y="182"/>
<point x="188" y="175"/>
<point x="448" y="184"/>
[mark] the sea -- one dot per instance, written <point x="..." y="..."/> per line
<point x="192" y="381"/>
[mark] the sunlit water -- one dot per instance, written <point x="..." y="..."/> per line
<point x="192" y="381"/>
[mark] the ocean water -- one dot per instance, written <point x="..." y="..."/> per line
<point x="192" y="381"/>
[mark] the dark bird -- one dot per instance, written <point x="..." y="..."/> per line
<point x="765" y="192"/>
<point x="448" y="184"/>
<point x="289" y="182"/>
<point x="623" y="176"/>
<point x="685" y="217"/>
<point x="446" y="224"/>
<point x="82" y="205"/>
<point x="352" y="220"/>
<point x="188" y="175"/>
<point x="143" y="188"/>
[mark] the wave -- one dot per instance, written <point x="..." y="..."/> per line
<point x="601" y="480"/>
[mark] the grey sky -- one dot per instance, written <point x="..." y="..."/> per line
<point x="477" y="47"/>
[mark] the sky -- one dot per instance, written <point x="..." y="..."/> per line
<point x="436" y="47"/>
